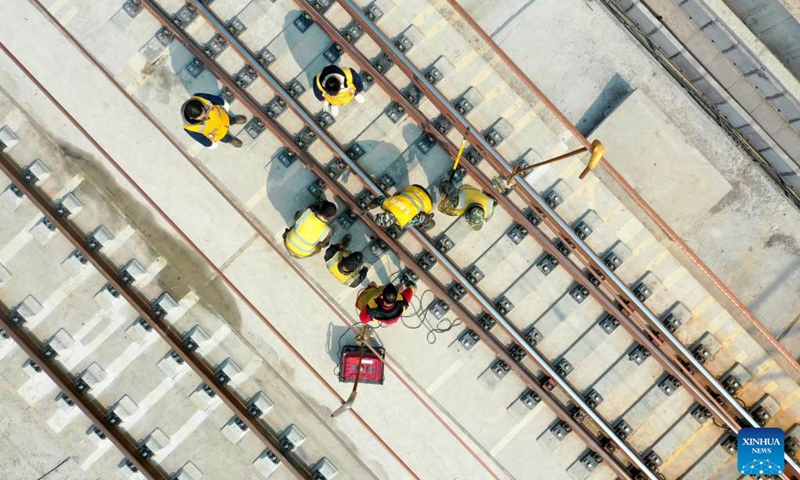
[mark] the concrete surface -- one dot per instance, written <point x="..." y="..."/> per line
<point x="299" y="298"/>
<point x="774" y="25"/>
<point x="572" y="72"/>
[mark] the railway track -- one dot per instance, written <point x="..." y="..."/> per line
<point x="153" y="315"/>
<point x="588" y="278"/>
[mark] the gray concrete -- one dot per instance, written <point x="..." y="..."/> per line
<point x="299" y="298"/>
<point x="572" y="73"/>
<point x="775" y="26"/>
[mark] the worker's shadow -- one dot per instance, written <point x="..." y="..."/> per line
<point x="432" y="169"/>
<point x="287" y="187"/>
<point x="193" y="79"/>
<point x="398" y="161"/>
<point x="338" y="336"/>
<point x="308" y="61"/>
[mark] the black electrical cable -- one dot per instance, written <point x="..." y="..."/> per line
<point x="442" y="326"/>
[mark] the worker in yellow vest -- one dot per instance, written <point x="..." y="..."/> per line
<point x="476" y="206"/>
<point x="310" y="232"/>
<point x="335" y="87"/>
<point x="207" y="120"/>
<point x="410" y="207"/>
<point x="344" y="265"/>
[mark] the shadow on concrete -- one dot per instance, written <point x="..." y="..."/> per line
<point x="615" y="91"/>
<point x="180" y="58"/>
<point x="285" y="202"/>
<point x="293" y="36"/>
<point x="337" y="337"/>
<point x="412" y="133"/>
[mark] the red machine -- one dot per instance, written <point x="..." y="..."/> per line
<point x="371" y="365"/>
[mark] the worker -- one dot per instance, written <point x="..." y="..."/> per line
<point x="310" y="232"/>
<point x="411" y="207"/>
<point x="345" y="265"/>
<point x="335" y="87"/>
<point x="207" y="120"/>
<point x="382" y="304"/>
<point x="476" y="206"/>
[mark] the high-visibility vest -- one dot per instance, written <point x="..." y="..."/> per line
<point x="216" y="124"/>
<point x="411" y="201"/>
<point x="307" y="233"/>
<point x="369" y="299"/>
<point x="349" y="279"/>
<point x="343" y="97"/>
<point x="468" y="196"/>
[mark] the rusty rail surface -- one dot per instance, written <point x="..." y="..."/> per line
<point x="65" y="381"/>
<point x="707" y="394"/>
<point x="144" y="309"/>
<point x="315" y="167"/>
<point x="665" y="228"/>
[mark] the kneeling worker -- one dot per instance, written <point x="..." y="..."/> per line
<point x="344" y="264"/>
<point x="335" y="87"/>
<point x="310" y="232"/>
<point x="382" y="303"/>
<point x="411" y="207"/>
<point x="476" y="206"/>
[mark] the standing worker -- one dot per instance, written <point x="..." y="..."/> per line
<point x="310" y="232"/>
<point x="207" y="120"/>
<point x="411" y="207"/>
<point x="476" y="206"/>
<point x="382" y="303"/>
<point x="336" y="86"/>
<point x="344" y="264"/>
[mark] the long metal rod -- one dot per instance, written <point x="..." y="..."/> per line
<point x="265" y="236"/>
<point x="349" y="200"/>
<point x="143" y="308"/>
<point x="462" y="124"/>
<point x="93" y="410"/>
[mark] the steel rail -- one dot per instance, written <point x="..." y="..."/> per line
<point x="256" y="228"/>
<point x="348" y="199"/>
<point x="144" y="308"/>
<point x="463" y="125"/>
<point x="281" y="252"/>
<point x="671" y="234"/>
<point x="563" y="229"/>
<point x="89" y="406"/>
<point x="675" y="368"/>
<point x="768" y="336"/>
<point x="454" y="271"/>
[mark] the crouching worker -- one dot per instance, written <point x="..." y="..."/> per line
<point x="476" y="206"/>
<point x="206" y="119"/>
<point x="383" y="304"/>
<point x="345" y="265"/>
<point x="335" y="87"/>
<point x="411" y="207"/>
<point x="310" y="232"/>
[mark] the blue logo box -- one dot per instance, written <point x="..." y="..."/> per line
<point x="760" y="451"/>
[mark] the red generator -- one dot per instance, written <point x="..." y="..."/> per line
<point x="372" y="365"/>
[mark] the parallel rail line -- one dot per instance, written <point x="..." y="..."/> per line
<point x="641" y="323"/>
<point x="65" y="381"/>
<point x="146" y="310"/>
<point x="677" y="368"/>
<point x="531" y="381"/>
